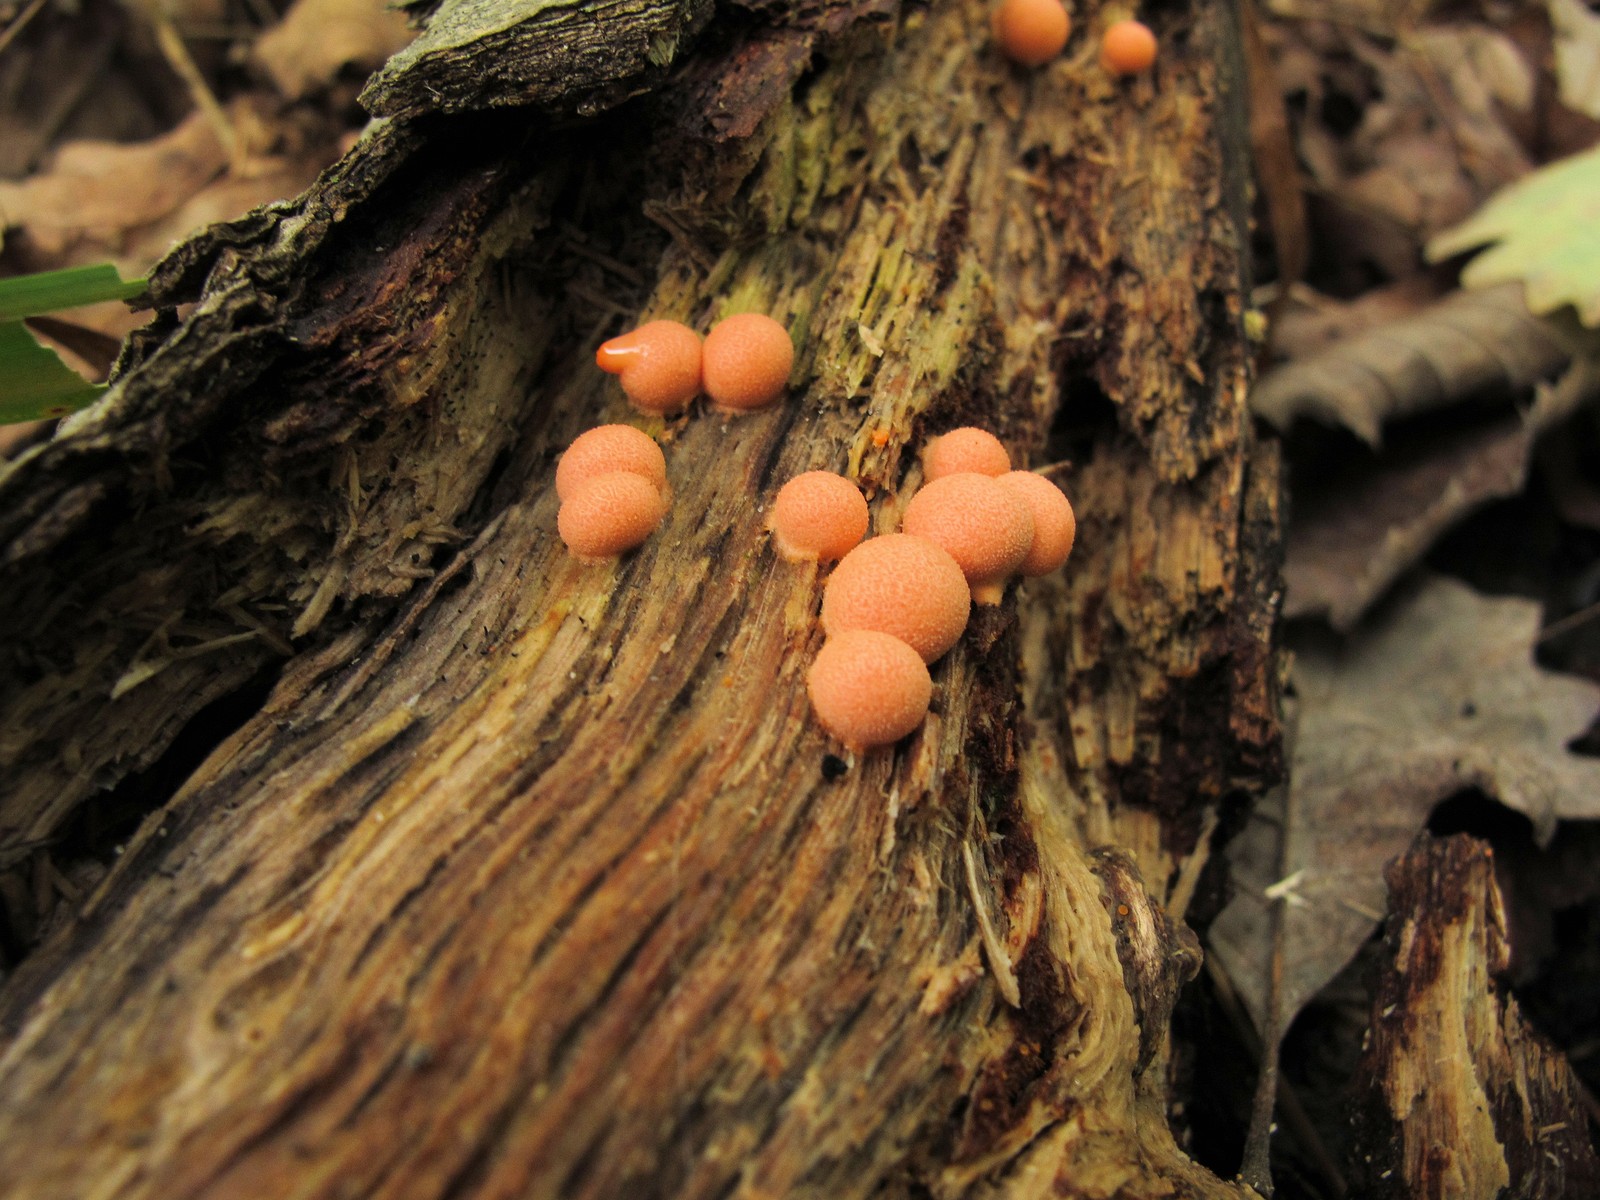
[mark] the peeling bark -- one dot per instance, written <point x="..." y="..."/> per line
<point x="530" y="878"/>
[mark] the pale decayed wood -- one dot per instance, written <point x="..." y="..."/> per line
<point x="1460" y="1096"/>
<point x="544" y="890"/>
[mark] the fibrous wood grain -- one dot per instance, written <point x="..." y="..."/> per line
<point x="1458" y="1095"/>
<point x="532" y="878"/>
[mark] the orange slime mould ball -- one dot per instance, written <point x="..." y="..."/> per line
<point x="608" y="448"/>
<point x="983" y="525"/>
<point x="964" y="449"/>
<point x="899" y="585"/>
<point x="1031" y="32"/>
<point x="868" y="689"/>
<point x="1127" y="48"/>
<point x="1054" y="526"/>
<point x="818" y="516"/>
<point x="658" y="365"/>
<point x="608" y="514"/>
<point x="746" y="362"/>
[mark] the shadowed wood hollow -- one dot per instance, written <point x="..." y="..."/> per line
<point x="534" y="878"/>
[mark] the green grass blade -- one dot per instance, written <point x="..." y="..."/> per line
<point x="48" y="291"/>
<point x="34" y="383"/>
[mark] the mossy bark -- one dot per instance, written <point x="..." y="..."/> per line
<point x="531" y="878"/>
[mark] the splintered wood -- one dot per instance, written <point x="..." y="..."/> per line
<point x="536" y="878"/>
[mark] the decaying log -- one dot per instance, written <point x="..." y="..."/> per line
<point x="530" y="878"/>
<point x="1460" y="1097"/>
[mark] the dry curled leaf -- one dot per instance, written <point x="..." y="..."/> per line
<point x="1464" y="346"/>
<point x="1545" y="234"/>
<point x="1440" y="695"/>
<point x="319" y="38"/>
<point x="1354" y="533"/>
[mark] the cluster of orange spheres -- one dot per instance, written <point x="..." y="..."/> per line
<point x="612" y="483"/>
<point x="742" y="365"/>
<point x="612" y="480"/>
<point x="896" y="603"/>
<point x="1032" y="32"/>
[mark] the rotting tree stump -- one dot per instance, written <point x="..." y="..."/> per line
<point x="527" y="878"/>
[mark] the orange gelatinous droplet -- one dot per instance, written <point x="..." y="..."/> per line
<point x="868" y="688"/>
<point x="746" y="362"/>
<point x="658" y="365"/>
<point x="985" y="528"/>
<point x="1054" y="525"/>
<point x="607" y="448"/>
<point x="818" y="516"/>
<point x="903" y="586"/>
<point x="964" y="449"/>
<point x="1127" y="47"/>
<point x="1030" y="32"/>
<point x="608" y="514"/>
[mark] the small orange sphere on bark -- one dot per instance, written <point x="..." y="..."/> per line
<point x="746" y="362"/>
<point x="903" y="586"/>
<point x="1054" y="525"/>
<point x="868" y="688"/>
<point x="607" y="448"/>
<point x="818" y="516"/>
<point x="609" y="514"/>
<point x="964" y="449"/>
<point x="1031" y="32"/>
<point x="658" y="365"/>
<point x="1127" y="47"/>
<point x="983" y="526"/>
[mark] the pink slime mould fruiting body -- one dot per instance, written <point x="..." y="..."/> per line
<point x="868" y="688"/>
<point x="903" y="586"/>
<point x="608" y="448"/>
<point x="982" y="525"/>
<point x="1054" y="525"/>
<point x="746" y="362"/>
<point x="818" y="516"/>
<point x="608" y="514"/>
<point x="658" y="365"/>
<point x="1127" y="47"/>
<point x="1031" y="32"/>
<point x="964" y="449"/>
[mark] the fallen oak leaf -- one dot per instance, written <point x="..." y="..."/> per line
<point x="1467" y="345"/>
<point x="1438" y="696"/>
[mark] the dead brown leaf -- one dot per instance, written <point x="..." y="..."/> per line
<point x="1307" y="322"/>
<point x="1577" y="47"/>
<point x="319" y="38"/>
<point x="91" y="194"/>
<point x="1356" y="532"/>
<point x="130" y="203"/>
<point x="1440" y="695"/>
<point x="1466" y="345"/>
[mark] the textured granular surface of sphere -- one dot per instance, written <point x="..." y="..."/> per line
<point x="609" y="514"/>
<point x="608" y="448"/>
<point x="746" y="362"/>
<point x="903" y="586"/>
<point x="1030" y="32"/>
<point x="658" y="365"/>
<point x="1128" y="47"/>
<point x="868" y="688"/>
<point x="967" y="449"/>
<point x="1054" y="525"/>
<point x="818" y="516"/>
<point x="981" y="524"/>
